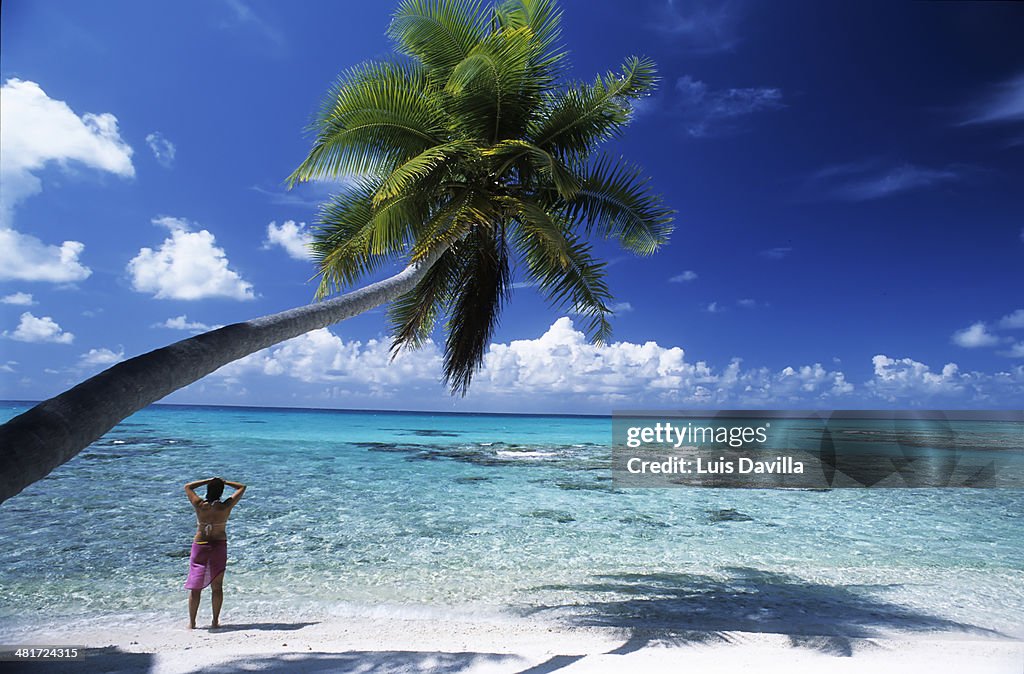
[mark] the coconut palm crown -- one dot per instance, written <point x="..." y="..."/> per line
<point x="470" y="146"/>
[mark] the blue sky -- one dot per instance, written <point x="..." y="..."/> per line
<point x="847" y="178"/>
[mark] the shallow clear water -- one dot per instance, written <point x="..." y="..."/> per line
<point x="404" y="511"/>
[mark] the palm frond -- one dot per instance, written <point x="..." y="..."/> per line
<point x="438" y="33"/>
<point x="415" y="173"/>
<point x="570" y="277"/>
<point x="377" y="114"/>
<point x="506" y="153"/>
<point x="493" y="91"/>
<point x="354" y="237"/>
<point x="481" y="288"/>
<point x="544" y="20"/>
<point x="539" y="228"/>
<point x="447" y="225"/>
<point x="615" y="201"/>
<point x="574" y="122"/>
<point x="413" y="315"/>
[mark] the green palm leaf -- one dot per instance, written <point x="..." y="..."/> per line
<point x="615" y="201"/>
<point x="438" y="33"/>
<point x="577" y="120"/>
<point x="481" y="287"/>
<point x="375" y="116"/>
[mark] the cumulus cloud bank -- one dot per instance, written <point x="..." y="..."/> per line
<point x="560" y="364"/>
<point x="561" y="370"/>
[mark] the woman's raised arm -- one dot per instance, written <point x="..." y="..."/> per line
<point x="239" y="490"/>
<point x="193" y="497"/>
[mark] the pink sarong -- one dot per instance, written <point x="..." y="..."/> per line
<point x="207" y="561"/>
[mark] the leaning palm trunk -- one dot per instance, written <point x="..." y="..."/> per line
<point x="34" y="443"/>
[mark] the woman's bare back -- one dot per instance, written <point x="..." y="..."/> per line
<point x="211" y="521"/>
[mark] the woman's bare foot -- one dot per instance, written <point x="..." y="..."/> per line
<point x="192" y="626"/>
<point x="214" y="625"/>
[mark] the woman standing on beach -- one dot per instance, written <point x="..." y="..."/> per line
<point x="209" y="555"/>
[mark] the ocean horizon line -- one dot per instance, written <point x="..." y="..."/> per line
<point x="995" y="414"/>
<point x="344" y="410"/>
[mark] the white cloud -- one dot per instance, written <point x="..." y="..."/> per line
<point x="974" y="336"/>
<point x="776" y="253"/>
<point x="308" y="194"/>
<point x="38" y="130"/>
<point x="688" y="275"/>
<point x="707" y="112"/>
<point x="905" y="377"/>
<point x="21" y="299"/>
<point x="747" y="303"/>
<point x="294" y="238"/>
<point x="244" y="15"/>
<point x="187" y="266"/>
<point x="911" y="382"/>
<point x="100" y="357"/>
<point x="163" y="149"/>
<point x="182" y="323"/>
<point x="621" y="307"/>
<point x="1004" y="104"/>
<point x="867" y="181"/>
<point x="1015" y="351"/>
<point x="903" y="178"/>
<point x="713" y="308"/>
<point x="26" y="258"/>
<point x="701" y="26"/>
<point x="1013" y="321"/>
<point x="45" y="329"/>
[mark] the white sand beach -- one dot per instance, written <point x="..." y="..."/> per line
<point x="423" y="645"/>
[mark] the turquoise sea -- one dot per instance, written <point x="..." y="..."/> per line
<point x="352" y="513"/>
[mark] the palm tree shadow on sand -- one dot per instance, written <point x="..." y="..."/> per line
<point x="678" y="609"/>
<point x="113" y="659"/>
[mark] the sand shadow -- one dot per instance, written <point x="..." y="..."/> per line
<point x="552" y="664"/>
<point x="678" y="609"/>
<point x="366" y="662"/>
<point x="269" y="627"/>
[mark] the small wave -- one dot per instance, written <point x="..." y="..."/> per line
<point x="525" y="454"/>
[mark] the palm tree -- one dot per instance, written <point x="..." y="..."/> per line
<point x="464" y="155"/>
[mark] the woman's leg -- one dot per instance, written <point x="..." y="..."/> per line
<point x="193" y="607"/>
<point x="218" y="598"/>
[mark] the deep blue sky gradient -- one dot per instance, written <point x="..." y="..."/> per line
<point x="836" y="134"/>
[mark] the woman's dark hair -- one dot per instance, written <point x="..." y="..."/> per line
<point x="214" y="489"/>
